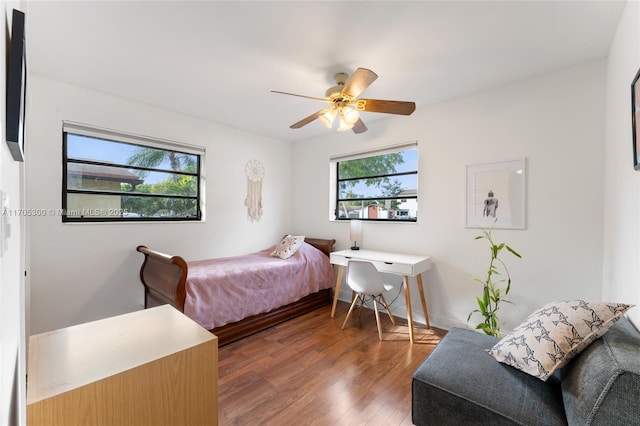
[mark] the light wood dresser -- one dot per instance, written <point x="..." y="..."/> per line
<point x="151" y="367"/>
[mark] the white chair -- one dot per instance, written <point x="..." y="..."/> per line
<point x="365" y="280"/>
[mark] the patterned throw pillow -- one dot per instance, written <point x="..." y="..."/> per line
<point x="288" y="246"/>
<point x="554" y="334"/>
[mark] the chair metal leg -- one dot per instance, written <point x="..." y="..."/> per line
<point x="349" y="313"/>
<point x="375" y="309"/>
<point x="386" y="305"/>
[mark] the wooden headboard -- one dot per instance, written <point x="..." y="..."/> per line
<point x="325" y="246"/>
<point x="164" y="276"/>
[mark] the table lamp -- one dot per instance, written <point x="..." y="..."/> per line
<point x="355" y="233"/>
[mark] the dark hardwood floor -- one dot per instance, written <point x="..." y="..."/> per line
<point x="309" y="372"/>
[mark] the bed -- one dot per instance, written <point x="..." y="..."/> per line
<point x="234" y="297"/>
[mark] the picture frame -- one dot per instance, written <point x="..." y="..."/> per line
<point x="635" y="120"/>
<point x="496" y="195"/>
<point x="16" y="88"/>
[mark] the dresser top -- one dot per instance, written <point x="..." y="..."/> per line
<point x="71" y="357"/>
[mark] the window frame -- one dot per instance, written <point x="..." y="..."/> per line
<point x="135" y="140"/>
<point x="334" y="213"/>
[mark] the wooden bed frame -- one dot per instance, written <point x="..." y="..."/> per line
<point x="164" y="278"/>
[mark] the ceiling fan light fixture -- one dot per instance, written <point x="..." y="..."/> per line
<point x="327" y="117"/>
<point x="344" y="126"/>
<point x="349" y="115"/>
<point x="345" y="104"/>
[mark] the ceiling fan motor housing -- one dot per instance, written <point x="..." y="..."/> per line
<point x="341" y="79"/>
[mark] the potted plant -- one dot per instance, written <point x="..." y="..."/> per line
<point x="494" y="286"/>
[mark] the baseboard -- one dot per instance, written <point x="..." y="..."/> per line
<point x="400" y="310"/>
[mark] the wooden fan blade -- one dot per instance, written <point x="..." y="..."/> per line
<point x="306" y="120"/>
<point x="301" y="96"/>
<point x="359" y="80"/>
<point x="388" y="107"/>
<point x="359" y="127"/>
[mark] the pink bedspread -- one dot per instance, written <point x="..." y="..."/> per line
<point x="225" y="290"/>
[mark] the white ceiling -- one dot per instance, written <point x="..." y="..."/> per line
<point x="219" y="60"/>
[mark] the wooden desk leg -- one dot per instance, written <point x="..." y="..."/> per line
<point x="407" y="297"/>
<point x="422" y="299"/>
<point x="336" y="291"/>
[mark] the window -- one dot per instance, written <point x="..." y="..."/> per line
<point x="381" y="185"/>
<point x="114" y="177"/>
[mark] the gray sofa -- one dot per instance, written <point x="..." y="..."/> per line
<point x="460" y="384"/>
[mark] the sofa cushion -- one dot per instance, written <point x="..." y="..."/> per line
<point x="601" y="386"/>
<point x="554" y="334"/>
<point x="460" y="382"/>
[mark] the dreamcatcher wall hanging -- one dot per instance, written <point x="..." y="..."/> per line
<point x="255" y="172"/>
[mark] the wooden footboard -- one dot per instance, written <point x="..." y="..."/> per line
<point x="164" y="278"/>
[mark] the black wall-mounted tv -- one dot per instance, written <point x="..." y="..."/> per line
<point x="16" y="87"/>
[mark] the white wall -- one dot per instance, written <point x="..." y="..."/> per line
<point x="621" y="265"/>
<point x="83" y="272"/>
<point x="12" y="288"/>
<point x="556" y="121"/>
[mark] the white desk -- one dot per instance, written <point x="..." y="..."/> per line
<point x="406" y="265"/>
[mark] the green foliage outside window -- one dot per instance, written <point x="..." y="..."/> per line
<point x="377" y="181"/>
<point x="177" y="184"/>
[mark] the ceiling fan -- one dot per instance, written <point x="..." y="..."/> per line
<point x="345" y="105"/>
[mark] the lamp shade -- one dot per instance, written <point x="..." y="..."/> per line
<point x="327" y="117"/>
<point x="349" y="115"/>
<point x="344" y="125"/>
<point x="355" y="231"/>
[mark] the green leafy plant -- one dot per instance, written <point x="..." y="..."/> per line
<point x="494" y="288"/>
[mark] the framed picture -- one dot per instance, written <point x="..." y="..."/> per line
<point x="16" y="88"/>
<point x="496" y="194"/>
<point x="635" y="120"/>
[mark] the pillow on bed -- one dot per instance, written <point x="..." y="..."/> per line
<point x="288" y="246"/>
